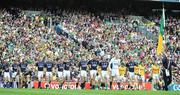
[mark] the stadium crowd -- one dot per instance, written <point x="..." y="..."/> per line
<point x="88" y="45"/>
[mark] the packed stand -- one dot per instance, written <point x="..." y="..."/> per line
<point x="30" y="40"/>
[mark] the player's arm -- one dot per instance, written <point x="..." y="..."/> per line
<point x="11" y="67"/>
<point x="2" y="69"/>
<point x="56" y="67"/>
<point x="159" y="69"/>
<point x="151" y="69"/>
<point x="89" y="65"/>
<point x="19" y="67"/>
<point x="36" y="66"/>
<point x="45" y="69"/>
<point x="53" y="67"/>
<point x="126" y="71"/>
<point x="79" y="65"/>
<point x="110" y="64"/>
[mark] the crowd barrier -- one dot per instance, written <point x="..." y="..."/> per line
<point x="72" y="85"/>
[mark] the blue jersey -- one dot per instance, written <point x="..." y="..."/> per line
<point x="23" y="67"/>
<point x="130" y="66"/>
<point x="83" y="65"/>
<point x="94" y="64"/>
<point x="60" y="67"/>
<point x="40" y="65"/>
<point x="67" y="65"/>
<point x="14" y="67"/>
<point x="6" y="67"/>
<point x="104" y="65"/>
<point x="49" y="66"/>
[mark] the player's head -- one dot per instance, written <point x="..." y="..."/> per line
<point x="83" y="57"/>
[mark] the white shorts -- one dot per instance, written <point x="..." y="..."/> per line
<point x="98" y="78"/>
<point x="93" y="73"/>
<point x="122" y="78"/>
<point x="60" y="74"/>
<point x="155" y="76"/>
<point x="143" y="78"/>
<point x="14" y="74"/>
<point x="7" y="75"/>
<point x="48" y="74"/>
<point x="131" y="74"/>
<point x="136" y="76"/>
<point x="83" y="73"/>
<point x="104" y="74"/>
<point x="40" y="74"/>
<point x="114" y="72"/>
<point x="66" y="73"/>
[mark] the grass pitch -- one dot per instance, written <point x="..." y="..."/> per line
<point x="82" y="92"/>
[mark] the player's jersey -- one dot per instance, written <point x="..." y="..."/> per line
<point x="141" y="70"/>
<point x="136" y="70"/>
<point x="122" y="70"/>
<point x="60" y="67"/>
<point x="15" y="67"/>
<point x="40" y="65"/>
<point x="49" y="66"/>
<point x="83" y="65"/>
<point x="130" y="66"/>
<point x="155" y="69"/>
<point x="93" y="64"/>
<point x="104" y="65"/>
<point x="67" y="65"/>
<point x="114" y="63"/>
<point x="6" y="67"/>
<point x="23" y="67"/>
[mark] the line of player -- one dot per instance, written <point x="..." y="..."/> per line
<point x="102" y="72"/>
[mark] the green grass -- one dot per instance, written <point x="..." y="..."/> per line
<point x="82" y="92"/>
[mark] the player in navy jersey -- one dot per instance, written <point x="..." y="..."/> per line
<point x="93" y="63"/>
<point x="83" y="71"/>
<point x="66" y="72"/>
<point x="15" y="74"/>
<point x="130" y="67"/>
<point x="6" y="71"/>
<point x="23" y="70"/>
<point x="40" y="67"/>
<point x="49" y="68"/>
<point x="104" y="74"/>
<point x="60" y="68"/>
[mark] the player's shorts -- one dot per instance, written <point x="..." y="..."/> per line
<point x="93" y="73"/>
<point x="7" y="75"/>
<point x="104" y="74"/>
<point x="83" y="73"/>
<point x="136" y="76"/>
<point x="14" y="74"/>
<point x="142" y="78"/>
<point x="60" y="74"/>
<point x="98" y="78"/>
<point x="48" y="74"/>
<point x="155" y="76"/>
<point x="122" y="78"/>
<point x="66" y="73"/>
<point x="131" y="74"/>
<point x="114" y="72"/>
<point x="40" y="74"/>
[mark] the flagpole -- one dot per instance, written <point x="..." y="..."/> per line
<point x="164" y="36"/>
